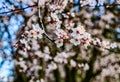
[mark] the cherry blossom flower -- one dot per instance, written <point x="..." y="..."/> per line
<point x="75" y="41"/>
<point x="78" y="32"/>
<point x="86" y="67"/>
<point x="61" y="58"/>
<point x="72" y="63"/>
<point x="52" y="66"/>
<point x="32" y="34"/>
<point x="25" y="42"/>
<point x="38" y="31"/>
<point x="59" y="42"/>
<point x="61" y="34"/>
<point x="69" y="24"/>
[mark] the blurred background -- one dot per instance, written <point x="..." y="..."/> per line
<point x="95" y="16"/>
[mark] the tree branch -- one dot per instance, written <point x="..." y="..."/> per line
<point x="17" y="10"/>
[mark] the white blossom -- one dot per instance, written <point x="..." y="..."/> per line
<point x="72" y="63"/>
<point x="75" y="41"/>
<point x="86" y="67"/>
<point x="59" y="42"/>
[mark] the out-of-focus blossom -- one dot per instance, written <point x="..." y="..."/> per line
<point x="73" y="63"/>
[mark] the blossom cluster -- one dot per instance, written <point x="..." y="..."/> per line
<point x="29" y="37"/>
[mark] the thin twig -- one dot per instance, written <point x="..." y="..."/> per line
<point x="41" y="23"/>
<point x="104" y="5"/>
<point x="96" y="5"/>
<point x="45" y="32"/>
<point x="16" y="10"/>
